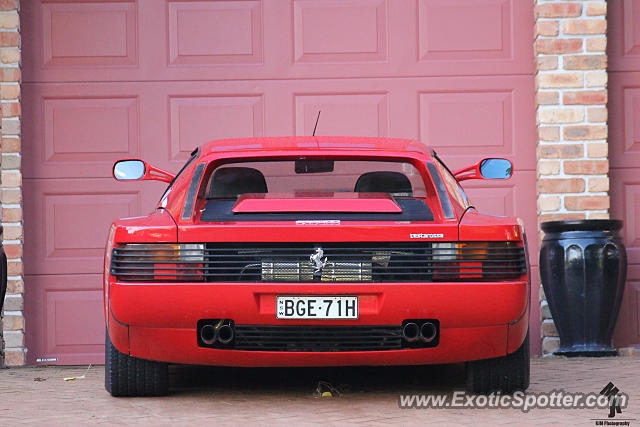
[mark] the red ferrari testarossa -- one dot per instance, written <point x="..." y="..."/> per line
<point x="315" y="251"/>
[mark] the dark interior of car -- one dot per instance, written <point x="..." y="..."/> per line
<point x="228" y="183"/>
<point x="394" y="183"/>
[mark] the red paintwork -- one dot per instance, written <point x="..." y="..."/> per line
<point x="156" y="174"/>
<point x="457" y="345"/>
<point x="158" y="320"/>
<point x="477" y="320"/>
<point x="347" y="231"/>
<point x="476" y="226"/>
<point x="456" y="305"/>
<point x="298" y="144"/>
<point x="158" y="227"/>
<point x="316" y="202"/>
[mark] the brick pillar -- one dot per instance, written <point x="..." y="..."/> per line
<point x="571" y="98"/>
<point x="11" y="181"/>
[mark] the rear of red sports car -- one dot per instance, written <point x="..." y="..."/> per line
<point x="314" y="252"/>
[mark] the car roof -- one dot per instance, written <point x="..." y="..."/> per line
<point x="317" y="143"/>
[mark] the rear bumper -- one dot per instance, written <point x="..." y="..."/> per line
<point x="157" y="321"/>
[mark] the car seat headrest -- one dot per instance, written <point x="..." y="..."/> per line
<point x="229" y="183"/>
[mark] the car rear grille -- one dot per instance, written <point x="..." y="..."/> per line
<point x="317" y="338"/>
<point x="334" y="262"/>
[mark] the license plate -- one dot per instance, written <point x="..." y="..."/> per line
<point x="316" y="307"/>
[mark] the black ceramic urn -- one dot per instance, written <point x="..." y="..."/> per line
<point x="583" y="267"/>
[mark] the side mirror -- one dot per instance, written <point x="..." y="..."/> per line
<point x="135" y="169"/>
<point x="129" y="170"/>
<point x="496" y="168"/>
<point x="489" y="168"/>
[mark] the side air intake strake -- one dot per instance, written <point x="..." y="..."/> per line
<point x="320" y="262"/>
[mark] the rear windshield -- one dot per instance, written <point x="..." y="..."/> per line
<point x="399" y="179"/>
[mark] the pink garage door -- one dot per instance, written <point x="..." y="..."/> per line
<point x="624" y="148"/>
<point x="153" y="79"/>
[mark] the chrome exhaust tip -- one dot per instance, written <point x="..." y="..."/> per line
<point x="208" y="334"/>
<point x="428" y="331"/>
<point x="410" y="332"/>
<point x="225" y="334"/>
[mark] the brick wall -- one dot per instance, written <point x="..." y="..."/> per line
<point x="11" y="181"/>
<point x="571" y="98"/>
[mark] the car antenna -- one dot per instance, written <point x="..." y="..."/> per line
<point x="317" y="118"/>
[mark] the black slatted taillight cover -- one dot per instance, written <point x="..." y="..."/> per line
<point x="360" y="262"/>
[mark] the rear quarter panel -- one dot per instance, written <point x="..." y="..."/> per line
<point x="477" y="226"/>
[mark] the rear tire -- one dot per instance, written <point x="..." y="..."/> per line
<point x="505" y="374"/>
<point x="126" y="375"/>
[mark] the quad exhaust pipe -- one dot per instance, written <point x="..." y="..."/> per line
<point x="425" y="332"/>
<point x="221" y="332"/>
<point x="428" y="331"/>
<point x="411" y="332"/>
<point x="208" y="334"/>
<point x="225" y="334"/>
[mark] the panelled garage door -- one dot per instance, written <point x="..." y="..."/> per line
<point x="151" y="78"/>
<point x="624" y="148"/>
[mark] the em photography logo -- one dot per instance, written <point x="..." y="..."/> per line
<point x="611" y="392"/>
